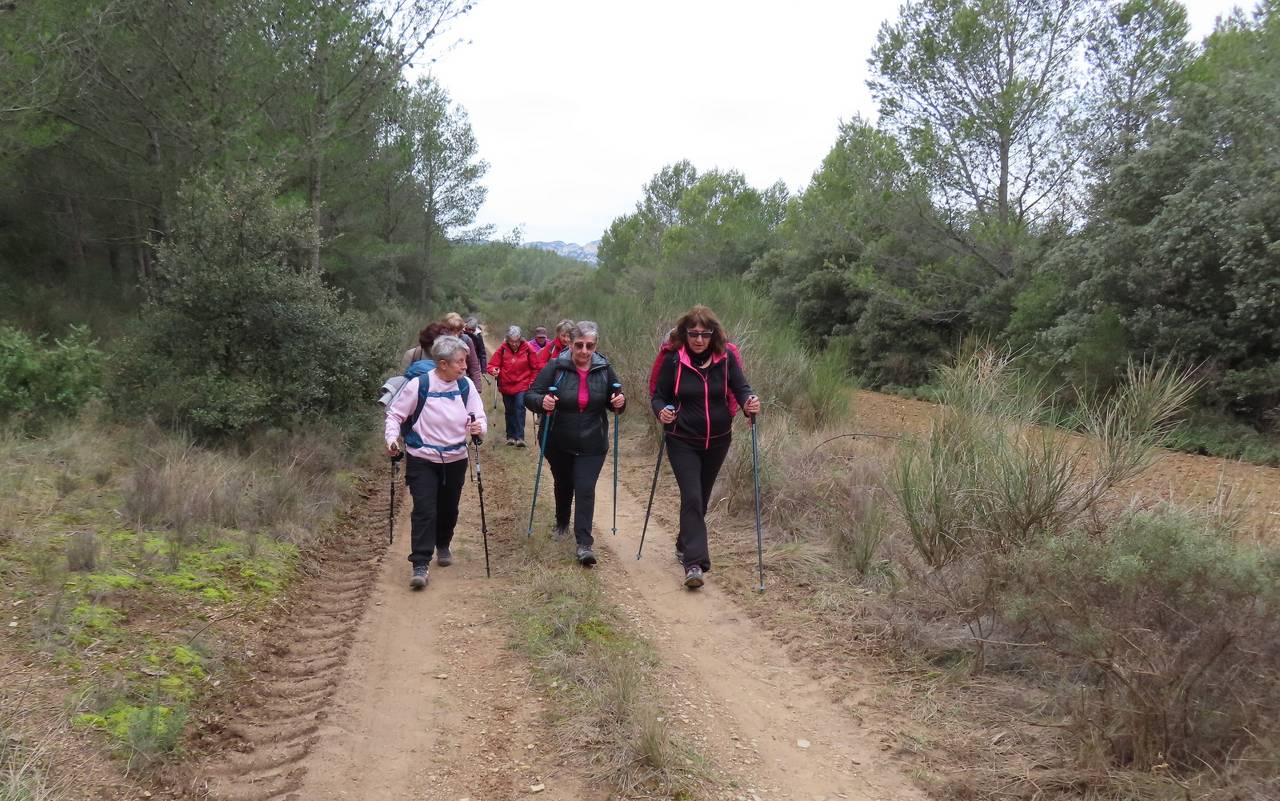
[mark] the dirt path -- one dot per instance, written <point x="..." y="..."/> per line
<point x="407" y="695"/>
<point x="758" y="713"/>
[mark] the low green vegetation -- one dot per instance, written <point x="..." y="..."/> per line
<point x="120" y="560"/>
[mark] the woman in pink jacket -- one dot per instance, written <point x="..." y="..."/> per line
<point x="435" y="412"/>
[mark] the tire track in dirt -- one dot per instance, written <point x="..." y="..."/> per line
<point x="255" y="749"/>
<point x="373" y="691"/>
<point x="755" y="711"/>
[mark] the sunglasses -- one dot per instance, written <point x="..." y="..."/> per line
<point x="584" y="346"/>
<point x="698" y="334"/>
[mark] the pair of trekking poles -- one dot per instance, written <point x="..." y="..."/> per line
<point x="542" y="450"/>
<point x="477" y="476"/>
<point x="755" y="476"/>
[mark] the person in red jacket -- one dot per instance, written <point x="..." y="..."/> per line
<point x="558" y="345"/>
<point x="514" y="364"/>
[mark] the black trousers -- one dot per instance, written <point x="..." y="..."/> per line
<point x="575" y="486"/>
<point x="696" y="469"/>
<point x="436" y="490"/>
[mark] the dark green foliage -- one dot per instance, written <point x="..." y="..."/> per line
<point x="39" y="383"/>
<point x="237" y="335"/>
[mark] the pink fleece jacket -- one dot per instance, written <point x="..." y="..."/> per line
<point x="443" y="422"/>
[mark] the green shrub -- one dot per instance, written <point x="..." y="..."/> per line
<point x="39" y="382"/>
<point x="238" y="334"/>
<point x="1174" y="624"/>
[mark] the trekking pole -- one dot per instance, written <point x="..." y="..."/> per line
<point x="494" y="384"/>
<point x="484" y="525"/>
<point x="662" y="445"/>
<point x="391" y="516"/>
<point x="617" y="421"/>
<point x="755" y="474"/>
<point x="542" y="450"/>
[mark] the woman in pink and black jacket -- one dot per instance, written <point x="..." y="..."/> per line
<point x="697" y="380"/>
<point x="436" y="413"/>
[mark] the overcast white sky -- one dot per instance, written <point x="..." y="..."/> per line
<point x="577" y="103"/>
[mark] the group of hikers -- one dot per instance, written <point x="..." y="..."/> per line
<point x="697" y="386"/>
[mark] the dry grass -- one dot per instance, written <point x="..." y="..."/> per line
<point x="601" y="674"/>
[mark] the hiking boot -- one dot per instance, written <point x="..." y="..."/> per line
<point x="693" y="577"/>
<point x="510" y="441"/>
<point x="586" y="556"/>
<point x="520" y="443"/>
<point x="443" y="557"/>
<point x="559" y="532"/>
<point x="419" y="580"/>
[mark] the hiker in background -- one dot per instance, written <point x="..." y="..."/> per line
<point x="472" y="329"/>
<point x="558" y="345"/>
<point x="456" y="325"/>
<point x="426" y="336"/>
<point x="697" y="379"/>
<point x="514" y="364"/>
<point x="435" y="439"/>
<point x="539" y="340"/>
<point x="578" y="441"/>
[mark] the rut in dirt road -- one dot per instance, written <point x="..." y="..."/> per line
<point x="379" y="692"/>
<point x="755" y="710"/>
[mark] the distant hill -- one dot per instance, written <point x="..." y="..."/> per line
<point x="570" y="250"/>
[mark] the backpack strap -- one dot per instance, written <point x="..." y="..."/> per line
<point x="411" y="437"/>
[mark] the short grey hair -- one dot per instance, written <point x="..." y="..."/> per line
<point x="584" y="328"/>
<point x="514" y="331"/>
<point x="473" y="322"/>
<point x="447" y="348"/>
<point x="564" y="326"/>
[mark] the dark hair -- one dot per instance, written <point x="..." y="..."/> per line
<point x="699" y="316"/>
<point x="428" y="335"/>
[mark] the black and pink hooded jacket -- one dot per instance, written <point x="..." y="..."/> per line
<point x="701" y="396"/>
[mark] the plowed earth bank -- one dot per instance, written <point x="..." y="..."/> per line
<point x="370" y="691"/>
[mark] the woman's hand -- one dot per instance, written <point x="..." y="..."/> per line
<point x="618" y="401"/>
<point x="667" y="416"/>
<point x="474" y="428"/>
<point x="549" y="402"/>
<point x="393" y="450"/>
<point x="493" y="371"/>
<point x="752" y="408"/>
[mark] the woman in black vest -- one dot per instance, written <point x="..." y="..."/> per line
<point x="587" y="389"/>
<point x="696" y="381"/>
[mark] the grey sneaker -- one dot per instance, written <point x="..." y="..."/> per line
<point x="586" y="556"/>
<point x="419" y="580"/>
<point x="520" y="443"/>
<point x="693" y="577"/>
<point x="443" y="557"/>
<point x="559" y="532"/>
<point x="510" y="441"/>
